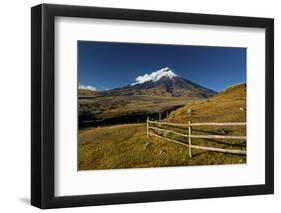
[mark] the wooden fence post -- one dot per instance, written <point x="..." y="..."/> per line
<point x="147" y="127"/>
<point x="189" y="139"/>
<point x="159" y="118"/>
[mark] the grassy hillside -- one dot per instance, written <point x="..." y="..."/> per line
<point x="126" y="146"/>
<point x="228" y="106"/>
<point x="106" y="107"/>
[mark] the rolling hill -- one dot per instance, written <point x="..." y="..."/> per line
<point x="227" y="106"/>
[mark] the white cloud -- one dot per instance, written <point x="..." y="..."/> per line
<point x="81" y="86"/>
<point x="155" y="76"/>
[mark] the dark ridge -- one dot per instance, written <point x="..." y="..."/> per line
<point x="88" y="119"/>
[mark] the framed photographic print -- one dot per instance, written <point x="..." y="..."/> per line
<point x="139" y="106"/>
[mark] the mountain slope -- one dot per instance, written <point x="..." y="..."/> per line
<point x="164" y="82"/>
<point x="160" y="91"/>
<point x="227" y="106"/>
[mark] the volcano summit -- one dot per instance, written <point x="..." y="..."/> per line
<point x="164" y="82"/>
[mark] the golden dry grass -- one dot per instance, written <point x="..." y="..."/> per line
<point x="126" y="146"/>
<point x="227" y="106"/>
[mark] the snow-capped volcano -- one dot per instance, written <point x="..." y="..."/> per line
<point x="155" y="76"/>
<point x="163" y="82"/>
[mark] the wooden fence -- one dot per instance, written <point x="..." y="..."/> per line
<point x="189" y="135"/>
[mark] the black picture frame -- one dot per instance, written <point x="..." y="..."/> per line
<point x="43" y="111"/>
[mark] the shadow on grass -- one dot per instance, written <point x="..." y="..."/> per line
<point x="242" y="144"/>
<point x="205" y="152"/>
<point x="213" y="132"/>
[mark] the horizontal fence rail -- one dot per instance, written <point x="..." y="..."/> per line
<point x="219" y="124"/>
<point x="203" y="147"/>
<point x="200" y="124"/>
<point x="189" y="135"/>
<point x="201" y="136"/>
<point x="168" y="124"/>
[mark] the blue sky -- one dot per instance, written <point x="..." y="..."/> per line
<point x="108" y="65"/>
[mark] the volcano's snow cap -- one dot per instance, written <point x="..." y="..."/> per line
<point x="155" y="76"/>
